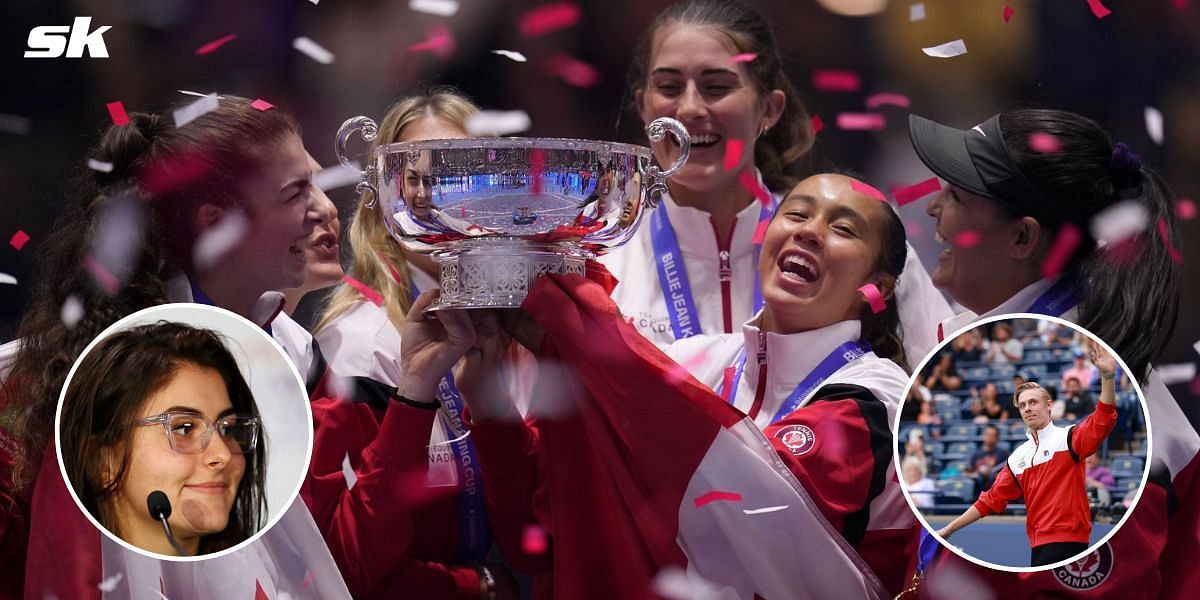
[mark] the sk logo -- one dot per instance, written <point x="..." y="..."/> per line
<point x="50" y="41"/>
<point x="1045" y="453"/>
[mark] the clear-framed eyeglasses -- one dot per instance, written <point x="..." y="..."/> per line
<point x="189" y="433"/>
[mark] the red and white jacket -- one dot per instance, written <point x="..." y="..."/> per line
<point x="1048" y="470"/>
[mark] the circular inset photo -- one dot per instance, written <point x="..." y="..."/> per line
<point x="183" y="432"/>
<point x="1023" y="443"/>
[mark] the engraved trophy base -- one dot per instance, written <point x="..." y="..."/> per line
<point x="498" y="272"/>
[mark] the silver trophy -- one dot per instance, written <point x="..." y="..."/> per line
<point x="496" y="213"/>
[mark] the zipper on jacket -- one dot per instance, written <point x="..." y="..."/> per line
<point x="760" y="390"/>
<point x="725" y="273"/>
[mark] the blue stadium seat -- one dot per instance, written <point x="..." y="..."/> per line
<point x="956" y="490"/>
<point x="980" y="373"/>
<point x="963" y="448"/>
<point x="961" y="432"/>
<point x="933" y="448"/>
<point x="1126" y="484"/>
<point x="1035" y="372"/>
<point x="1003" y="371"/>
<point x="1128" y="466"/>
<point x="953" y="468"/>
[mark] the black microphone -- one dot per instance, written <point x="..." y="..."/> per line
<point x="160" y="510"/>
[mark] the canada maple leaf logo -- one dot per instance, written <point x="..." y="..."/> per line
<point x="1084" y="566"/>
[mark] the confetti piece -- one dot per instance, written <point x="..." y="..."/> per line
<point x="1127" y="252"/>
<point x="913" y="229"/>
<point x="116" y="110"/>
<point x="760" y="232"/>
<point x="1196" y="347"/>
<point x="515" y="56"/>
<point x="1044" y="143"/>
<point x="348" y="473"/>
<point x="672" y="583"/>
<point x="259" y="592"/>
<point x="339" y="175"/>
<point x="15" y="124"/>
<point x="537" y="161"/>
<point x="1098" y="9"/>
<point x="196" y="94"/>
<point x="1154" y="124"/>
<point x="212" y="46"/>
<point x="1061" y="249"/>
<point x="260" y="104"/>
<point x="888" y="98"/>
<point x="167" y="175"/>
<point x="911" y="193"/>
<point x="497" y="122"/>
<point x="107" y="281"/>
<point x="817" y="123"/>
<point x="947" y="50"/>
<point x="312" y="50"/>
<point x="759" y="511"/>
<point x="441" y="8"/>
<point x="367" y="292"/>
<point x="1166" y="240"/>
<point x="219" y="239"/>
<point x="1185" y="209"/>
<point x="308" y="577"/>
<point x="967" y="239"/>
<point x="745" y="57"/>
<point x="1177" y="373"/>
<point x="835" y="80"/>
<point x="18" y="239"/>
<point x="916" y="12"/>
<point x="681" y="371"/>
<point x="533" y="540"/>
<point x="196" y="110"/>
<point x="750" y="182"/>
<point x="874" y="298"/>
<point x="9" y="279"/>
<point x="573" y="71"/>
<point x="453" y="441"/>
<point x="71" y="312"/>
<point x="715" y="496"/>
<point x="462" y="211"/>
<point x="1119" y="222"/>
<point x="110" y="583"/>
<point x="733" y="153"/>
<point x="549" y="17"/>
<point x="99" y="165"/>
<point x="437" y="41"/>
<point x="867" y="190"/>
<point x="861" y="121"/>
<point x="1180" y="4"/>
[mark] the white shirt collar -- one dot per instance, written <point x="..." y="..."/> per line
<point x="1018" y="303"/>
<point x="802" y="351"/>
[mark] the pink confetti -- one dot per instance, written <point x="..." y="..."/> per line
<point x="835" y="80"/>
<point x="1180" y="5"/>
<point x="874" y="298"/>
<point x="391" y="269"/>
<point x="817" y="124"/>
<point x="967" y="239"/>
<point x="1044" y="143"/>
<point x="911" y="193"/>
<point x="1008" y="14"/>
<point x="733" y="153"/>
<point x="743" y="58"/>
<point x="1185" y="209"/>
<point x="462" y="211"/>
<point x="116" y="110"/>
<point x="760" y="232"/>
<point x="308" y="579"/>
<point x="716" y="496"/>
<point x="1166" y="240"/>
<point x="260" y="104"/>
<point x="750" y="182"/>
<point x="913" y="229"/>
<point x="681" y="371"/>
<point x="19" y="239"/>
<point x="861" y="121"/>
<point x="537" y="161"/>
<point x="572" y="70"/>
<point x="370" y="294"/>
<point x="888" y="98"/>
<point x="1098" y="9"/>
<point x="1061" y="249"/>
<point x="437" y="40"/>
<point x="533" y="540"/>
<point x="549" y="17"/>
<point x="867" y="190"/>
<point x="259" y="592"/>
<point x="101" y="275"/>
<point x="212" y="46"/>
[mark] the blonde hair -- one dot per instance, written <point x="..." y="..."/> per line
<point x="913" y="460"/>
<point x="377" y="259"/>
<point x="1031" y="385"/>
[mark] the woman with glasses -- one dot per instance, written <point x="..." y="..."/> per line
<point x="164" y="407"/>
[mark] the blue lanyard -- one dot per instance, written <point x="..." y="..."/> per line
<point x="672" y="274"/>
<point x="838" y="358"/>
<point x="1058" y="299"/>
<point x="472" y="515"/>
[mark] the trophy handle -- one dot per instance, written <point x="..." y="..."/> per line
<point x="656" y="131"/>
<point x="368" y="130"/>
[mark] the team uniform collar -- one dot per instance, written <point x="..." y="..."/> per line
<point x="1018" y="303"/>
<point x="791" y="357"/>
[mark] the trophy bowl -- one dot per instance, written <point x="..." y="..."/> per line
<point x="496" y="213"/>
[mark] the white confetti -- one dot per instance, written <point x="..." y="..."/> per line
<point x="1154" y="124"/>
<point x="759" y="511"/>
<point x="337" y="176"/>
<point x="196" y="109"/>
<point x="313" y="50"/>
<point x="267" y="307"/>
<point x="1119" y="221"/>
<point x="455" y="440"/>
<point x="673" y="583"/>
<point x="110" y="584"/>
<point x="1173" y="374"/>
<point x="916" y="12"/>
<point x="498" y="122"/>
<point x="315" y="2"/>
<point x="1196" y="347"/>
<point x="441" y="8"/>
<point x="516" y="56"/>
<point x="213" y="243"/>
<point x="348" y="473"/>
<point x="99" y="165"/>
<point x="947" y="50"/>
<point x="72" y="311"/>
<point x="9" y="279"/>
<point x="15" y="124"/>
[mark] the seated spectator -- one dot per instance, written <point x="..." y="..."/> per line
<point x="928" y="414"/>
<point x="1003" y="348"/>
<point x="1018" y="379"/>
<point x="986" y="405"/>
<point x="913" y="403"/>
<point x="944" y="376"/>
<point x="921" y="488"/>
<point x="1080" y="370"/>
<point x="1079" y="402"/>
<point x="967" y="347"/>
<point x="987" y="457"/>
<point x="915" y="447"/>
<point x="1099" y="478"/>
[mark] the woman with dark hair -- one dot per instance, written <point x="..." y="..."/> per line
<point x="164" y="407"/>
<point x="714" y="65"/>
